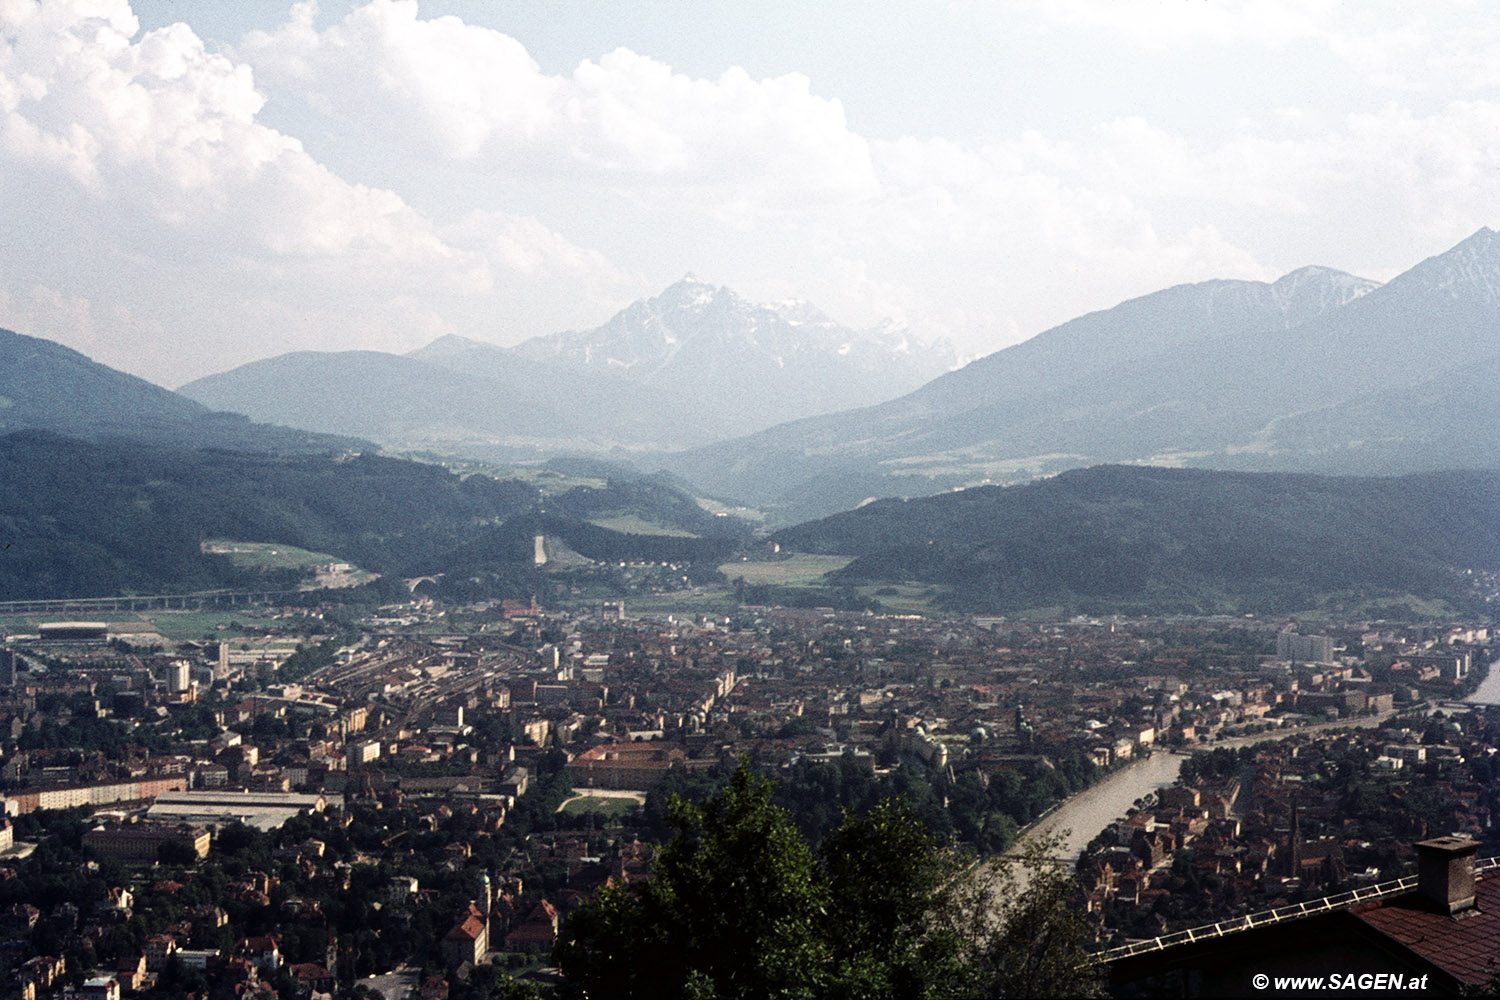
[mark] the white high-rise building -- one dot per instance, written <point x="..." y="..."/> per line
<point x="1304" y="648"/>
<point x="179" y="676"/>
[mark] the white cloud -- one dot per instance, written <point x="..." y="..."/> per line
<point x="1447" y="48"/>
<point x="451" y="85"/>
<point x="995" y="237"/>
<point x="185" y="187"/>
<point x="1033" y="231"/>
<point x="524" y="246"/>
<point x="511" y="201"/>
<point x="45" y="312"/>
<point x="1164" y="24"/>
<point x="472" y="94"/>
<point x="161" y="127"/>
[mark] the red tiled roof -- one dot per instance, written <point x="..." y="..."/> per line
<point x="1466" y="945"/>
<point x="309" y="970"/>
<point x="531" y="933"/>
<point x="469" y="930"/>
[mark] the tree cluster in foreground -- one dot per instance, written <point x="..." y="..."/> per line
<point x="740" y="905"/>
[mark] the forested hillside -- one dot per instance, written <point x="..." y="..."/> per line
<point x="81" y="519"/>
<point x="1149" y="539"/>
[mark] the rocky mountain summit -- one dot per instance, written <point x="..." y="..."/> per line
<point x="749" y="363"/>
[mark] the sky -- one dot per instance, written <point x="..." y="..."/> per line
<point x="189" y="186"/>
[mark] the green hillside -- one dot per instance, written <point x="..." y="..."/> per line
<point x="1132" y="539"/>
<point x="84" y="519"/>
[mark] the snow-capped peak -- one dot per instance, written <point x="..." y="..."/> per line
<point x="1470" y="269"/>
<point x="696" y="333"/>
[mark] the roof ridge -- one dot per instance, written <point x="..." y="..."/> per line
<point x="1323" y="904"/>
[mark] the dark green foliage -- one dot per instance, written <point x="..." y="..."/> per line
<point x="740" y="906"/>
<point x="735" y="909"/>
<point x="1222" y="762"/>
<point x="981" y="815"/>
<point x="81" y="519"/>
<point x="308" y="659"/>
<point x="1023" y="939"/>
<point x="79" y="728"/>
<point x="618" y="546"/>
<point x="842" y="598"/>
<point x="84" y="519"/>
<point x="490" y="982"/>
<point x="886" y="876"/>
<point x="1150" y="539"/>
<point x="242" y="848"/>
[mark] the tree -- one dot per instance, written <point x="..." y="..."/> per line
<point x="740" y="906"/>
<point x="735" y="909"/>
<point x="888" y="877"/>
<point x="1021" y="938"/>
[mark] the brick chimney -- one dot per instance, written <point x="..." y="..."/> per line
<point x="1445" y="873"/>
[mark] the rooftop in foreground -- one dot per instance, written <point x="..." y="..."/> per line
<point x="1442" y="924"/>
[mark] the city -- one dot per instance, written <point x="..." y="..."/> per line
<point x="426" y="794"/>
<point x="547" y="501"/>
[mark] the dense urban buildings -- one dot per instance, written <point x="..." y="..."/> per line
<point x="429" y="793"/>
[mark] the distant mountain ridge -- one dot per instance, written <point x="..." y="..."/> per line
<point x="689" y="366"/>
<point x="382" y="396"/>
<point x="1317" y="371"/>
<point x="1233" y="375"/>
<point x="46" y="386"/>
<point x="1160" y="321"/>
<point x="455" y="396"/>
<point x="612" y="412"/>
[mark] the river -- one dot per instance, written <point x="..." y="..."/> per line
<point x="1488" y="693"/>
<point x="1099" y="805"/>
<point x="1081" y="817"/>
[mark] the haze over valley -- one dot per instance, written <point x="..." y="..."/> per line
<point x="1318" y="372"/>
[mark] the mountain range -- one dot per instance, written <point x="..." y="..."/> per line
<point x="84" y="518"/>
<point x="777" y="405"/>
<point x="1319" y="371"/>
<point x="692" y="365"/>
